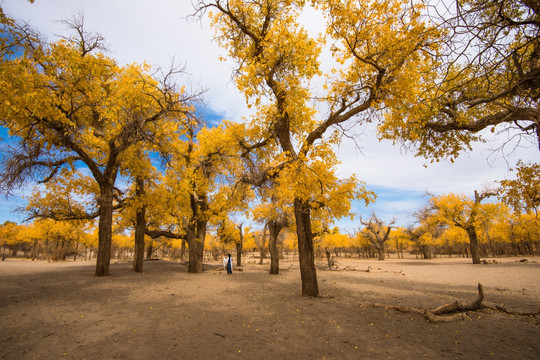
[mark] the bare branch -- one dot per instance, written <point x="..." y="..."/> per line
<point x="87" y="42"/>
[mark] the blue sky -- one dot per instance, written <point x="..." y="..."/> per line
<point x="156" y="32"/>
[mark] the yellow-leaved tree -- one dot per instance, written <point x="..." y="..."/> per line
<point x="8" y="231"/>
<point x="275" y="215"/>
<point x="231" y="236"/>
<point x="463" y="212"/>
<point x="523" y="192"/>
<point x="330" y="240"/>
<point x="379" y="51"/>
<point x="69" y="105"/>
<point x="455" y="239"/>
<point x="196" y="187"/>
<point x="488" y="78"/>
<point x="401" y="239"/>
<point x="70" y="195"/>
<point x="54" y="240"/>
<point x="378" y="233"/>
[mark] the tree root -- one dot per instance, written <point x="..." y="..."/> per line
<point x="458" y="310"/>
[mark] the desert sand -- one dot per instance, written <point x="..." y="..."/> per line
<point x="62" y="311"/>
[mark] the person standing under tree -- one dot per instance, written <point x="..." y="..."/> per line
<point x="227" y="263"/>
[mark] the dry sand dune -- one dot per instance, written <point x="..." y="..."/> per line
<point x="62" y="311"/>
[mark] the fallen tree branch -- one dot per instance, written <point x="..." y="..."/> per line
<point x="458" y="310"/>
<point x="503" y="309"/>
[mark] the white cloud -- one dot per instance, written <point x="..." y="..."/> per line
<point x="136" y="31"/>
<point x="383" y="164"/>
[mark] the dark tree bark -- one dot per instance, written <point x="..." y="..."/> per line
<point x="329" y="257"/>
<point x="140" y="229"/>
<point x="196" y="232"/>
<point x="427" y="251"/>
<point x="105" y="230"/>
<point x="473" y="241"/>
<point x="196" y="235"/>
<point x="274" y="228"/>
<point x="380" y="253"/>
<point x="150" y="250"/>
<point x="183" y="250"/>
<point x="263" y="245"/>
<point x="306" y="255"/>
<point x="239" y="246"/>
<point x="74" y="256"/>
<point x="34" y="250"/>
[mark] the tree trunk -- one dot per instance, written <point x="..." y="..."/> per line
<point x="183" y="250"/>
<point x="105" y="230"/>
<point x="150" y="250"/>
<point x="140" y="228"/>
<point x="427" y="252"/>
<point x="196" y="237"/>
<point x="329" y="259"/>
<point x="262" y="245"/>
<point x="473" y="240"/>
<point x="306" y="256"/>
<point x="380" y="252"/>
<point x="74" y="256"/>
<point x="239" y="247"/>
<point x="34" y="250"/>
<point x="196" y="232"/>
<point x="274" y="228"/>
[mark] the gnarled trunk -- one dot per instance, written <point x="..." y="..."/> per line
<point x="239" y="247"/>
<point x="274" y="228"/>
<point x="380" y="254"/>
<point x="74" y="256"/>
<point x="473" y="240"/>
<point x="183" y="250"/>
<point x="306" y="255"/>
<point x="427" y="251"/>
<point x="196" y="232"/>
<point x="140" y="228"/>
<point x="196" y="235"/>
<point x="150" y="250"/>
<point x="329" y="258"/>
<point x="105" y="230"/>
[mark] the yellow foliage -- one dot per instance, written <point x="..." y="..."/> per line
<point x="8" y="232"/>
<point x="249" y="239"/>
<point x="290" y="241"/>
<point x="461" y="97"/>
<point x="332" y="240"/>
<point x="70" y="195"/>
<point x="123" y="241"/>
<point x="400" y="238"/>
<point x="523" y="192"/>
<point x="454" y="235"/>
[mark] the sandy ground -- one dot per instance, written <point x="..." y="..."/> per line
<point x="62" y="311"/>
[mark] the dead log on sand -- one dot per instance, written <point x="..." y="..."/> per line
<point x="458" y="310"/>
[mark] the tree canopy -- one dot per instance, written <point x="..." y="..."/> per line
<point x="69" y="105"/>
<point x="487" y="78"/>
